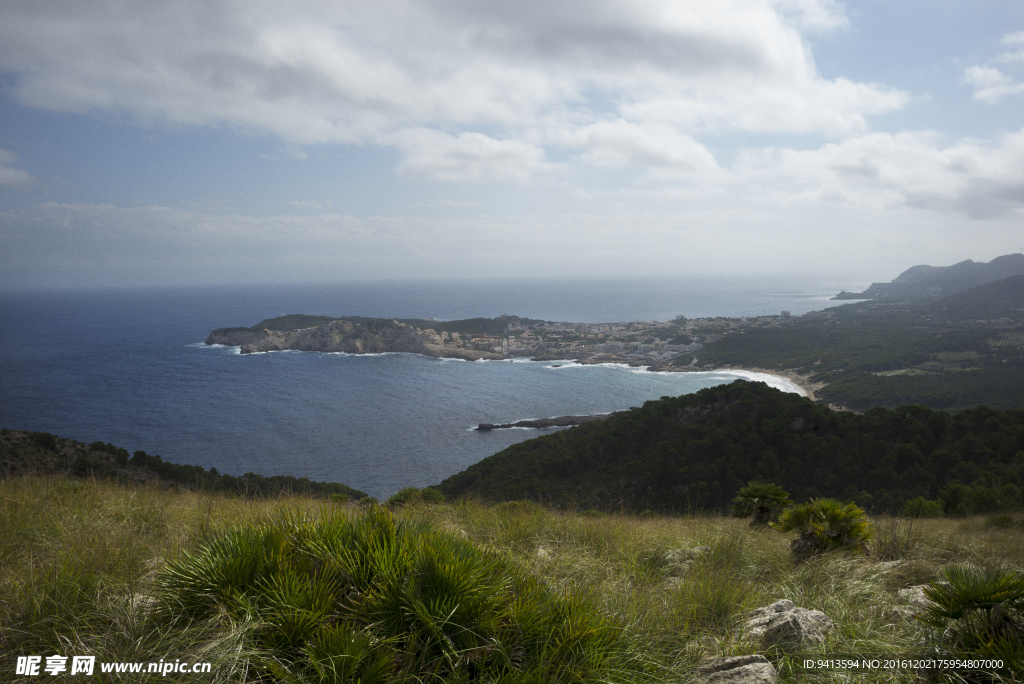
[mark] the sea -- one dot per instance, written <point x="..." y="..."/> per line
<point x="130" y="367"/>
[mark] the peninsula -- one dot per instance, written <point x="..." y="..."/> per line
<point x="949" y="352"/>
<point x="351" y="335"/>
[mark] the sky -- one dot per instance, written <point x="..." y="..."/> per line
<point x="244" y="141"/>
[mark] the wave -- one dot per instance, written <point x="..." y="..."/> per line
<point x="776" y="381"/>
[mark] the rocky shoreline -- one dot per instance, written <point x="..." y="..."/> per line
<point x="375" y="336"/>
<point x="561" y="421"/>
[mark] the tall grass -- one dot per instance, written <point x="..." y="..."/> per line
<point x="81" y="564"/>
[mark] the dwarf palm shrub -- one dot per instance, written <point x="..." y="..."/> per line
<point x="825" y="525"/>
<point x="979" y="614"/>
<point x="371" y="598"/>
<point x="762" y="500"/>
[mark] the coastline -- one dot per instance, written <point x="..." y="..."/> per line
<point x="801" y="382"/>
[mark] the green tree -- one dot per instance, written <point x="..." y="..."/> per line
<point x="762" y="500"/>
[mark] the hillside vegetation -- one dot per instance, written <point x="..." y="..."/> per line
<point x="40" y="453"/>
<point x="950" y="353"/>
<point x="123" y="573"/>
<point x="691" y="453"/>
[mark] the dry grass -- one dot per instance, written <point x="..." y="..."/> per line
<point x="76" y="559"/>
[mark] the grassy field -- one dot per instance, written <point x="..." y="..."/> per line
<point x="81" y="563"/>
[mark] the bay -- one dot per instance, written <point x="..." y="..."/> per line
<point x="129" y="367"/>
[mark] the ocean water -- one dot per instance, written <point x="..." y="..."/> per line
<point x="130" y="367"/>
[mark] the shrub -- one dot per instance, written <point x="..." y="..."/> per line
<point x="979" y="614"/>
<point x="922" y="508"/>
<point x="45" y="440"/>
<point x="431" y="495"/>
<point x="403" y="496"/>
<point x="825" y="525"/>
<point x="762" y="500"/>
<point x="409" y="495"/>
<point x="373" y="599"/>
<point x="1002" y="521"/>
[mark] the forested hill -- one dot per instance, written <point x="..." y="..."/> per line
<point x="40" y="453"/>
<point x="693" y="452"/>
<point x="950" y="353"/>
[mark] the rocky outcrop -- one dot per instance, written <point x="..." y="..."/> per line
<point x="363" y="336"/>
<point x="787" y="626"/>
<point x="467" y="354"/>
<point x="912" y="601"/>
<point x="748" y="669"/>
<point x="561" y="421"/>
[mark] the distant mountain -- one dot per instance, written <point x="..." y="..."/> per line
<point x="939" y="281"/>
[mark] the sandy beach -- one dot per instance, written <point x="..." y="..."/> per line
<point x="800" y="382"/>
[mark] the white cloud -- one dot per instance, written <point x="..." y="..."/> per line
<point x="813" y="15"/>
<point x="467" y="156"/>
<point x="11" y="176"/>
<point x="990" y="84"/>
<point x="906" y="169"/>
<point x="621" y="143"/>
<point x="493" y="82"/>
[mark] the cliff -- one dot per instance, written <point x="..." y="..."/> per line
<point x="352" y="336"/>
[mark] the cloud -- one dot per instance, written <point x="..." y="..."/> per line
<point x="981" y="180"/>
<point x="621" y="143"/>
<point x="458" y="86"/>
<point x="990" y="84"/>
<point x="467" y="156"/>
<point x="55" y="245"/>
<point x="11" y="176"/>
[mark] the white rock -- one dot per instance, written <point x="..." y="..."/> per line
<point x="750" y="669"/>
<point x="787" y="626"/>
<point x="914" y="596"/>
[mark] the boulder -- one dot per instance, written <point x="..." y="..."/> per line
<point x="680" y="560"/>
<point x="787" y="626"/>
<point x="914" y="596"/>
<point x="749" y="669"/>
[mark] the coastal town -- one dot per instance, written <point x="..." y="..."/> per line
<point x="668" y="345"/>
